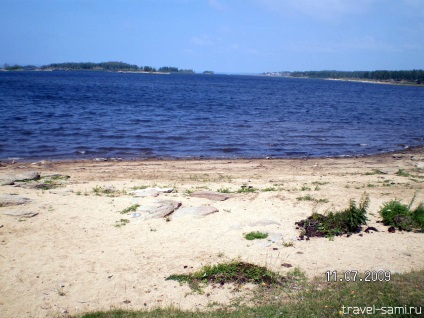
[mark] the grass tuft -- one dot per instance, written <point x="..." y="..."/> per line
<point x="315" y="298"/>
<point x="224" y="190"/>
<point x="235" y="272"/>
<point x="246" y="189"/>
<point x="132" y="208"/>
<point x="402" y="173"/>
<point x="255" y="236"/>
<point x="307" y="197"/>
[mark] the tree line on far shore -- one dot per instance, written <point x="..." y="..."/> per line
<point x="103" y="66"/>
<point x="416" y="76"/>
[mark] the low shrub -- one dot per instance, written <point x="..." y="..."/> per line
<point x="399" y="215"/>
<point x="419" y="216"/>
<point x="336" y="223"/>
<point x="391" y="210"/>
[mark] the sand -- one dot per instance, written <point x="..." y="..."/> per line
<point x="71" y="258"/>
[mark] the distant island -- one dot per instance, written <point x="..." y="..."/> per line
<point x="382" y="76"/>
<point x="103" y="66"/>
<point x="408" y="77"/>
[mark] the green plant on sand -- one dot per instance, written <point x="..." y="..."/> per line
<point x="235" y="272"/>
<point x="399" y="215"/>
<point x="336" y="223"/>
<point x="132" y="208"/>
<point x="314" y="298"/>
<point x="255" y="235"/>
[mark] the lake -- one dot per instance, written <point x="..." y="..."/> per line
<point x="83" y="115"/>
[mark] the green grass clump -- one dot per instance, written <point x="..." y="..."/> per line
<point x="121" y="222"/>
<point x="269" y="189"/>
<point x="246" y="190"/>
<point x="307" y="197"/>
<point x="418" y="216"/>
<point x="391" y="210"/>
<point x="142" y="187"/>
<point x="402" y="173"/>
<point x="255" y="236"/>
<point x="107" y="190"/>
<point x="235" y="272"/>
<point x="336" y="223"/>
<point x="132" y="208"/>
<point x="224" y="190"/>
<point x="316" y="298"/>
<point x="373" y="172"/>
<point x="401" y="216"/>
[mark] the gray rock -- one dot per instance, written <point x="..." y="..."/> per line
<point x="164" y="190"/>
<point x="274" y="237"/>
<point x="151" y="192"/>
<point x="197" y="212"/>
<point x="420" y="165"/>
<point x="216" y="196"/>
<point x="146" y="193"/>
<point x="389" y="170"/>
<point x="27" y="176"/>
<point x="9" y="200"/>
<point x="157" y="210"/>
<point x="6" y="181"/>
<point x="20" y="177"/>
<point x="264" y="223"/>
<point x="21" y="214"/>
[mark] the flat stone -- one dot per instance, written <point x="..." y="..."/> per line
<point x="146" y="193"/>
<point x="157" y="210"/>
<point x="420" y="165"/>
<point x="163" y="190"/>
<point x="215" y="196"/>
<point x="151" y="192"/>
<point x="27" y="176"/>
<point x="6" y="181"/>
<point x="196" y="211"/>
<point x="23" y="176"/>
<point x="264" y="223"/>
<point x="274" y="237"/>
<point x="389" y="170"/>
<point x="21" y="214"/>
<point x="9" y="200"/>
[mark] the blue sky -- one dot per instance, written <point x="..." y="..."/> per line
<point x="234" y="36"/>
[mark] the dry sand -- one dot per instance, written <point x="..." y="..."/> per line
<point x="71" y="257"/>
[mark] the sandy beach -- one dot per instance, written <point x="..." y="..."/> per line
<point x="74" y="254"/>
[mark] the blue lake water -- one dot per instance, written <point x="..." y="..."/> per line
<point x="79" y="115"/>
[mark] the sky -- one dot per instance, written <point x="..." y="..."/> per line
<point x="229" y="36"/>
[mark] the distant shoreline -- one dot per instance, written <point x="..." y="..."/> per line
<point x="383" y="82"/>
